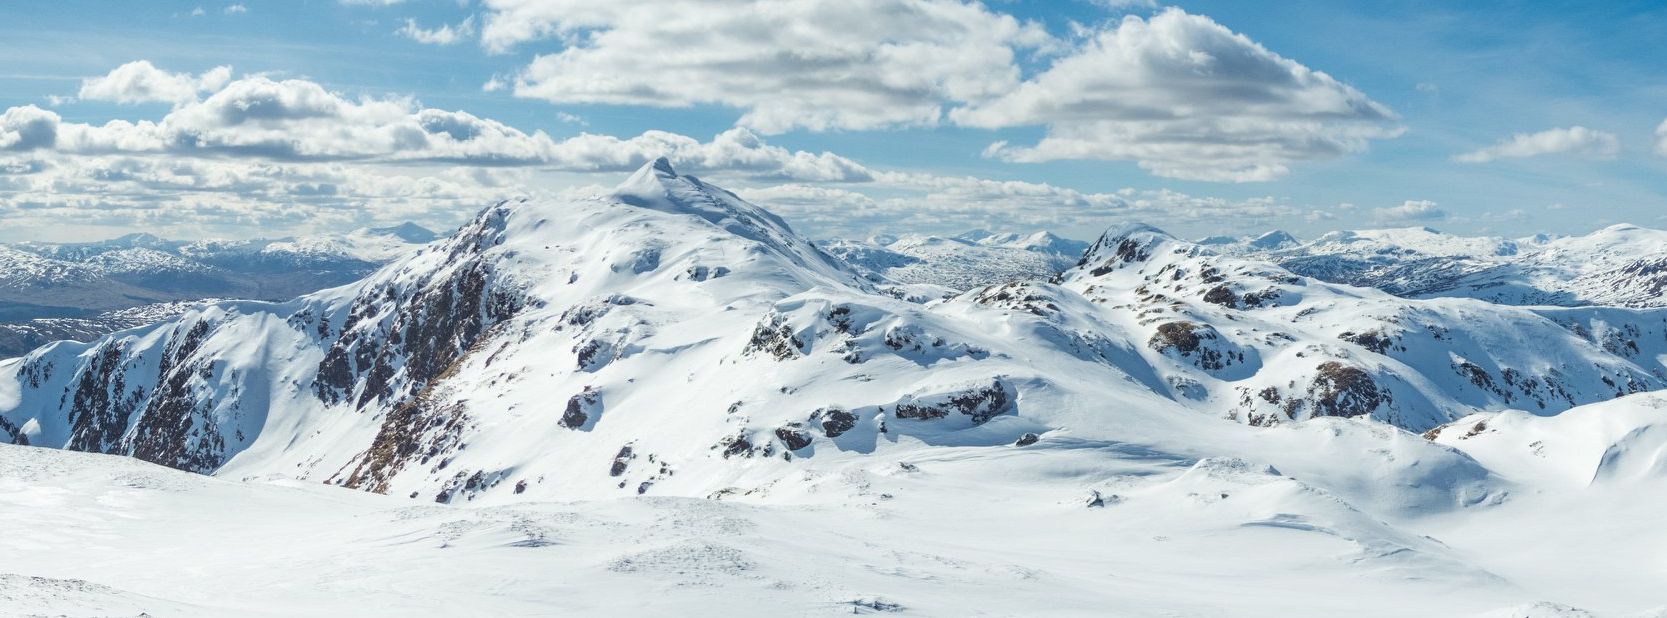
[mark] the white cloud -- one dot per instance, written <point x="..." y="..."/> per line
<point x="371" y="2"/>
<point x="28" y="128"/>
<point x="1572" y="140"/>
<point x="446" y="34"/>
<point x="297" y="120"/>
<point x="1185" y="98"/>
<point x="289" y="156"/>
<point x="236" y="9"/>
<point x="814" y="64"/>
<point x="141" y="82"/>
<point x="1661" y="139"/>
<point x="1410" y="211"/>
<point x="198" y="12"/>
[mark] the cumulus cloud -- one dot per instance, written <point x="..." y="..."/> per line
<point x="1179" y="94"/>
<point x="256" y="117"/>
<point x="236" y="9"/>
<point x="28" y="128"/>
<point x="1575" y="140"/>
<point x="1410" y="211"/>
<point x="292" y="155"/>
<point x="1185" y="98"/>
<point x="141" y="82"/>
<point x="815" y="64"/>
<point x="446" y="34"/>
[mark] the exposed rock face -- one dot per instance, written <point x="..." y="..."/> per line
<point x="979" y="403"/>
<point x="1199" y="344"/>
<point x="774" y="338"/>
<point x="793" y="436"/>
<point x="582" y="410"/>
<point x="398" y="337"/>
<point x="1342" y="390"/>
<point x="835" y="422"/>
<point x="415" y="432"/>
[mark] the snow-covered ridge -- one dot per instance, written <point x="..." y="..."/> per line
<point x="676" y="331"/>
<point x="1621" y="265"/>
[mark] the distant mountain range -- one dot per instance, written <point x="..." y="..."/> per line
<point x="52" y="291"/>
<point x="1620" y="265"/>
<point x="958" y="263"/>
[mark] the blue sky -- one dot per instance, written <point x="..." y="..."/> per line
<point x="1413" y="126"/>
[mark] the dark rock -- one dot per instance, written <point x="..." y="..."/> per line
<point x="794" y="436"/>
<point x="622" y="460"/>
<point x="1222" y="295"/>
<point x="580" y="409"/>
<point x="836" y="422"/>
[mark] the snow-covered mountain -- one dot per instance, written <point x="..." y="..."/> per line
<point x="82" y="290"/>
<point x="1621" y="265"/>
<point x="526" y="334"/>
<point x="1157" y="414"/>
<point x="1272" y="240"/>
<point x="958" y="263"/>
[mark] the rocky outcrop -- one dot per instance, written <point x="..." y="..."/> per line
<point x="977" y="402"/>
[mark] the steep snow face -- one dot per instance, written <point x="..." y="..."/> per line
<point x="667" y="337"/>
<point x="974" y="259"/>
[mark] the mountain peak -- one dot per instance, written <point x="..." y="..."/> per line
<point x="662" y="165"/>
<point x="407" y="231"/>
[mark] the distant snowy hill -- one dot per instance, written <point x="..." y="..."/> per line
<point x="960" y="263"/>
<point x="1622" y="265"/>
<point x="79" y="290"/>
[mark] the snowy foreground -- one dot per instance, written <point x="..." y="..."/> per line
<point x="916" y="532"/>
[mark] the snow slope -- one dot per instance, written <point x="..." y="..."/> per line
<point x="664" y="389"/>
<point x="1065" y="529"/>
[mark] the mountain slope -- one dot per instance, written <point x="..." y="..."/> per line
<point x="723" y="410"/>
<point x="669" y="337"/>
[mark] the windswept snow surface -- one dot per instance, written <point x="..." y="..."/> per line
<point x="663" y="401"/>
